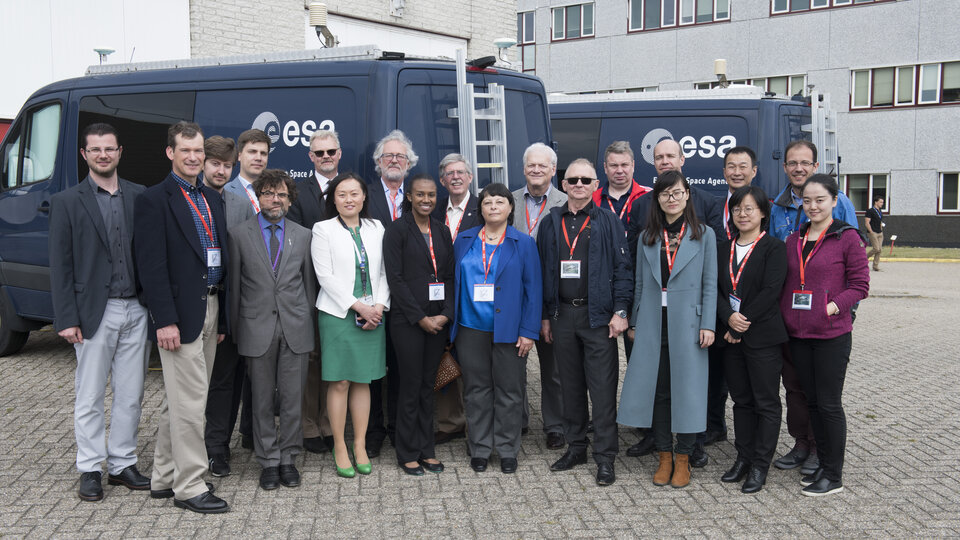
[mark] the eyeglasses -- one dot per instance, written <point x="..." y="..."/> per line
<point x="391" y="157"/>
<point x="746" y="211"/>
<point x="97" y="150"/>
<point x="675" y="195"/>
<point x="795" y="164"/>
<point x="585" y="180"/>
<point x="457" y="172"/>
<point x="272" y="194"/>
<point x="331" y="152"/>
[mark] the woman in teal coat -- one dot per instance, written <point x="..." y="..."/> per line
<point x="674" y="315"/>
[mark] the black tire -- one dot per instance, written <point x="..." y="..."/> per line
<point x="11" y="341"/>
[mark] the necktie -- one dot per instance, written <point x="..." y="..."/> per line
<point x="274" y="247"/>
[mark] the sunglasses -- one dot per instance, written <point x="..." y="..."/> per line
<point x="573" y="180"/>
<point x="332" y="152"/>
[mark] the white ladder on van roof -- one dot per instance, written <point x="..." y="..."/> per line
<point x="468" y="116"/>
<point x="823" y="132"/>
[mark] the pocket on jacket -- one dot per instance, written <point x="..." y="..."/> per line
<point x="699" y="310"/>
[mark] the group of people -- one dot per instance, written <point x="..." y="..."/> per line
<point x="305" y="301"/>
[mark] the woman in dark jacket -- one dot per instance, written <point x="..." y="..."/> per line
<point x="752" y="267"/>
<point x="418" y="256"/>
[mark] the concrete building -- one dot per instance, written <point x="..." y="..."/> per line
<point x="892" y="68"/>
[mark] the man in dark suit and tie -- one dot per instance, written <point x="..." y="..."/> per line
<point x="179" y="242"/>
<point x="92" y="282"/>
<point x="272" y="287"/>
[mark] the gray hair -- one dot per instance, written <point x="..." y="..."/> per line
<point x="450" y="159"/>
<point x="618" y="147"/>
<point x="540" y="147"/>
<point x="583" y="161"/>
<point x="325" y="134"/>
<point x="395" y="135"/>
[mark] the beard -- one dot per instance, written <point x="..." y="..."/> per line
<point x="274" y="214"/>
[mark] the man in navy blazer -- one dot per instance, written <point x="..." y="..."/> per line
<point x="180" y="237"/>
<point x="93" y="285"/>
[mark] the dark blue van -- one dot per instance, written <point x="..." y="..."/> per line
<point x="362" y="98"/>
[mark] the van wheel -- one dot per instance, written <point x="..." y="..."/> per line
<point x="10" y="341"/>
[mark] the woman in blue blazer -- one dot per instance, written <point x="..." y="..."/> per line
<point x="497" y="318"/>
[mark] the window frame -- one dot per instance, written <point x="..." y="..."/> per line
<point x="22" y="132"/>
<point x="677" y="15"/>
<point x="918" y="72"/>
<point x="831" y="4"/>
<point x="752" y="81"/>
<point x="563" y="9"/>
<point x="940" y="208"/>
<point x="871" y="183"/>
<point x="522" y="43"/>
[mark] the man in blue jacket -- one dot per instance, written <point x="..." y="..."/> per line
<point x="587" y="290"/>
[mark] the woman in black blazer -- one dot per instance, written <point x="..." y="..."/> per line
<point x="752" y="267"/>
<point x="418" y="256"/>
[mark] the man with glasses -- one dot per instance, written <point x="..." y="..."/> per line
<point x="307" y="209"/>
<point x="587" y="290"/>
<point x="531" y="205"/>
<point x="91" y="232"/>
<point x="272" y="287"/>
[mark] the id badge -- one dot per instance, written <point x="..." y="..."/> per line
<point x="802" y="300"/>
<point x="213" y="257"/>
<point x="734" y="303"/>
<point x="663" y="298"/>
<point x="368" y="300"/>
<point x="436" y="291"/>
<point x="569" y="269"/>
<point x="483" y="292"/>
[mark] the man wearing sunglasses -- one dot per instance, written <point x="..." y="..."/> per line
<point x="587" y="290"/>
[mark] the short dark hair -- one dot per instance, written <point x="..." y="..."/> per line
<point x="99" y="129"/>
<point x="801" y="142"/>
<point x="877" y="198"/>
<point x="495" y="190"/>
<point x="273" y="178"/>
<point x="406" y="205"/>
<point x="186" y="130"/>
<point x="763" y="204"/>
<point x="330" y="205"/>
<point x="222" y="148"/>
<point x="252" y="136"/>
<point x="743" y="150"/>
<point x="824" y="180"/>
<point x="657" y="220"/>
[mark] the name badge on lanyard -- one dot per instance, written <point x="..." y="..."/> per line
<point x="802" y="300"/>
<point x="483" y="292"/>
<point x="213" y="257"/>
<point x="570" y="268"/>
<point x="663" y="298"/>
<point x="734" y="303"/>
<point x="436" y="291"/>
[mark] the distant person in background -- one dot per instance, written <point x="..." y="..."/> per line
<point x="873" y="219"/>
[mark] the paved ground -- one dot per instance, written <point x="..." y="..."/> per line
<point x="902" y="473"/>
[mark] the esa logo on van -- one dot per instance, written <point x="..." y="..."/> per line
<point x="291" y="132"/>
<point x="706" y="147"/>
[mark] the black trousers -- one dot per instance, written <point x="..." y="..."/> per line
<point x="822" y="368"/>
<point x="229" y="385"/>
<point x="418" y="355"/>
<point x="377" y="428"/>
<point x="753" y="376"/>
<point x="798" y="414"/>
<point x="587" y="360"/>
<point x="662" y="424"/>
<point x="716" y="391"/>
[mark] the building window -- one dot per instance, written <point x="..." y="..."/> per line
<point x="898" y="86"/>
<point x="779" y="7"/>
<point x="572" y="22"/>
<point x="862" y="189"/>
<point x="949" y="192"/>
<point x="781" y="85"/>
<point x="526" y="42"/>
<point x="657" y="14"/>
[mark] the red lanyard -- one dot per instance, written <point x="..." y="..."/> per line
<point x="666" y="246"/>
<point x="253" y="201"/>
<point x="433" y="257"/>
<point x="735" y="280"/>
<point x="803" y="242"/>
<point x="563" y="223"/>
<point x="726" y="218"/>
<point x="537" y="220"/>
<point x="454" y="231"/>
<point x="483" y="247"/>
<point x="197" y="210"/>
<point x="623" y="210"/>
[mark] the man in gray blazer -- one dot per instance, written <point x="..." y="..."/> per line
<point x="531" y="204"/>
<point x="272" y="285"/>
<point x="228" y="381"/>
<point x="93" y="284"/>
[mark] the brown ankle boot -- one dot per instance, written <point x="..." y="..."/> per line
<point x="681" y="471"/>
<point x="662" y="476"/>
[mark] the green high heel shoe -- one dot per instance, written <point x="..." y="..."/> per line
<point x="362" y="468"/>
<point x="349" y="472"/>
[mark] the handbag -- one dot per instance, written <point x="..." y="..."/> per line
<point x="447" y="371"/>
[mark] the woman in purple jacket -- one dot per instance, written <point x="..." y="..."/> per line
<point x="827" y="274"/>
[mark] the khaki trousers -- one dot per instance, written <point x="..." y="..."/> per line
<point x="876" y="245"/>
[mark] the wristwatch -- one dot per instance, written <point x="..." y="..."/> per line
<point x="621" y="313"/>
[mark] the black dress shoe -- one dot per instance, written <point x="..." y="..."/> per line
<point x="246" y="441"/>
<point x="811" y="464"/>
<point x="508" y="465"/>
<point x="373" y="447"/>
<point x="167" y="493"/>
<point x="792" y="459"/>
<point x="756" y="478"/>
<point x="811" y="478"/>
<point x="642" y="448"/>
<point x="314" y="445"/>
<point x="710" y="437"/>
<point x="289" y="476"/>
<point x="699" y="457"/>
<point x="270" y="478"/>
<point x="478" y="464"/>
<point x="219" y="466"/>
<point x="432" y="467"/>
<point x="204" y="503"/>
<point x="90" y="487"/>
<point x="569" y="460"/>
<point x="736" y="473"/>
<point x="412" y="471"/>
<point x="823" y="486"/>
<point x="442" y="437"/>
<point x="131" y="478"/>
<point x="555" y="441"/>
<point x="605" y="474"/>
